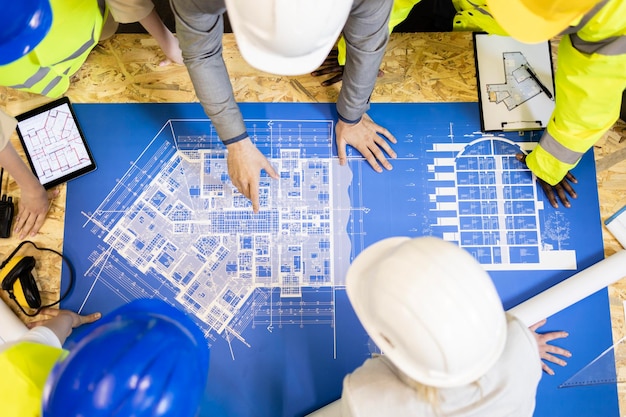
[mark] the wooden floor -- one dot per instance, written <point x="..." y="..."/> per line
<point x="420" y="67"/>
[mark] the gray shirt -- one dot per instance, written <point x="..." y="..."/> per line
<point x="199" y="28"/>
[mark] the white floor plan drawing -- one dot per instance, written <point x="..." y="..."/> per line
<point x="160" y="218"/>
<point x="520" y="86"/>
<point x="175" y="224"/>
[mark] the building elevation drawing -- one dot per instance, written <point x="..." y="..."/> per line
<point x="519" y="86"/>
<point x="166" y="222"/>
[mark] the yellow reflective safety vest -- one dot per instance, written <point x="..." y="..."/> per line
<point x="590" y="79"/>
<point x="75" y="30"/>
<point x="25" y="367"/>
<point x="470" y="16"/>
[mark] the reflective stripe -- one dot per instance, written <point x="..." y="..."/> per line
<point x="479" y="8"/>
<point x="560" y="152"/>
<point x="34" y="79"/>
<point x="84" y="48"/>
<point x="615" y="45"/>
<point x="43" y="71"/>
<point x="56" y="80"/>
<point x="586" y="18"/>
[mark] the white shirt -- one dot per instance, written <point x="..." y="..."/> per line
<point x="129" y="11"/>
<point x="7" y="127"/>
<point x="507" y="389"/>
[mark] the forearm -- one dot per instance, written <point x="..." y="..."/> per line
<point x="153" y="24"/>
<point x="200" y="36"/>
<point x="61" y="325"/>
<point x="17" y="168"/>
<point x="366" y="33"/>
<point x="588" y="99"/>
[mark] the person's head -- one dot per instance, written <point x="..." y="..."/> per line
<point x="430" y="307"/>
<point x="23" y="24"/>
<point x="533" y="21"/>
<point x="143" y="359"/>
<point x="287" y="37"/>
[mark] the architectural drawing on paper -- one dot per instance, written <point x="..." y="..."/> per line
<point x="519" y="86"/>
<point x="175" y="228"/>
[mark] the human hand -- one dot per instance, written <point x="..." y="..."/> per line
<point x="368" y="138"/>
<point x="547" y="351"/>
<point x="172" y="51"/>
<point x="562" y="189"/>
<point x="74" y="319"/>
<point x="331" y="65"/>
<point x="245" y="163"/>
<point x="32" y="209"/>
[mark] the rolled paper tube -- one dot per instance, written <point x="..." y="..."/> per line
<point x="572" y="289"/>
<point x="11" y="327"/>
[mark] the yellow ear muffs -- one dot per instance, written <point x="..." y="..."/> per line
<point x="18" y="281"/>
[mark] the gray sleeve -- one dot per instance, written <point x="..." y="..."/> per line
<point x="366" y="33"/>
<point x="199" y="28"/>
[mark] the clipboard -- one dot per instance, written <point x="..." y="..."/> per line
<point x="515" y="83"/>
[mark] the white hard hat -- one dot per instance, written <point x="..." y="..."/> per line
<point x="287" y="37"/>
<point x="430" y="307"/>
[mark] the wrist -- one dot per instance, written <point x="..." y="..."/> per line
<point x="240" y="144"/>
<point x="236" y="139"/>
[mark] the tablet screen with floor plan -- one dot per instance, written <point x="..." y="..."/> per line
<point x="54" y="143"/>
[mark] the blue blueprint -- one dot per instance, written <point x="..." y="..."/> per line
<point x="159" y="218"/>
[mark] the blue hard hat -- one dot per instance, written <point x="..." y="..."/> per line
<point x="24" y="23"/>
<point x="144" y="359"/>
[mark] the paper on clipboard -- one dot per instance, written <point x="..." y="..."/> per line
<point x="515" y="83"/>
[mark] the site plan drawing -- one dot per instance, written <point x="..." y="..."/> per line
<point x="160" y="218"/>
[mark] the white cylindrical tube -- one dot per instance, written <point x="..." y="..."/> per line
<point x="11" y="327"/>
<point x="572" y="290"/>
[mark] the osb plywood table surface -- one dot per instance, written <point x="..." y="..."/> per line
<point x="424" y="67"/>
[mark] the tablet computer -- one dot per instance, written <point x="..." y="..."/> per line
<point x="54" y="143"/>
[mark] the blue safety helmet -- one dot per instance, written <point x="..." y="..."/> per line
<point x="23" y="24"/>
<point x="143" y="359"/>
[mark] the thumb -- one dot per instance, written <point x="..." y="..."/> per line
<point x="341" y="152"/>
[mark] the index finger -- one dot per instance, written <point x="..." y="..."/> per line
<point x="380" y="156"/>
<point x="571" y="178"/>
<point x="254" y="196"/>
<point x="89" y="318"/>
<point x="547" y="190"/>
<point x="39" y="221"/>
<point x="387" y="134"/>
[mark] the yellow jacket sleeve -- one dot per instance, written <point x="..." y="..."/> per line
<point x="588" y="98"/>
<point x="399" y="12"/>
